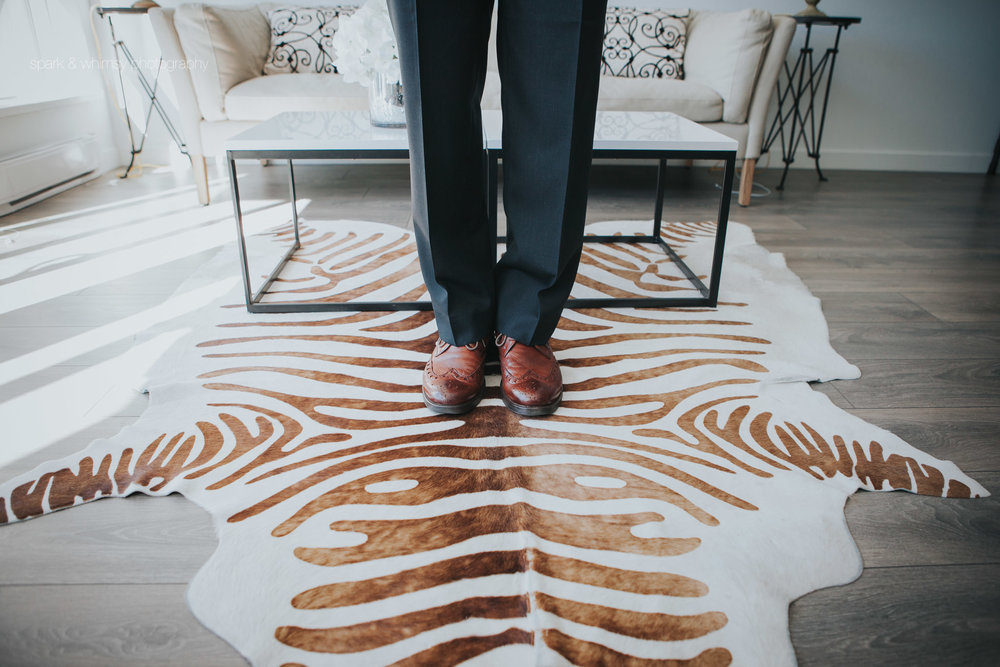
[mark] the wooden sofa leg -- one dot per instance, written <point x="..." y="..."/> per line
<point x="746" y="180"/>
<point x="200" y="169"/>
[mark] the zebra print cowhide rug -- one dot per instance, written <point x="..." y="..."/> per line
<point x="689" y="488"/>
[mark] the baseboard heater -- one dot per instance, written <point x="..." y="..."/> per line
<point x="31" y="177"/>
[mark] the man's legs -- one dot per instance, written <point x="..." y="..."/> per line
<point x="549" y="56"/>
<point x="443" y="51"/>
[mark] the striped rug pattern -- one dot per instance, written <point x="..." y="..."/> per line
<point x="691" y="485"/>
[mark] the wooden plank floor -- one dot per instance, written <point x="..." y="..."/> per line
<point x="907" y="266"/>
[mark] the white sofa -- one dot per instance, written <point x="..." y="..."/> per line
<point x="731" y="66"/>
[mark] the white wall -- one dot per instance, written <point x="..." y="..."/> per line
<point x="61" y="66"/>
<point x="915" y="87"/>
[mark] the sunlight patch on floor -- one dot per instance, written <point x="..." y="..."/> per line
<point x="214" y="228"/>
<point x="185" y="193"/>
<point x="38" y="418"/>
<point x="107" y="334"/>
<point x="59" y="252"/>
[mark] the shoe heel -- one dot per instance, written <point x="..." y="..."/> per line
<point x="531" y="410"/>
<point x="458" y="409"/>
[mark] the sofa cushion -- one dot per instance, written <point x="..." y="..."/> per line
<point x="690" y="99"/>
<point x="693" y="100"/>
<point x="266" y="96"/>
<point x="725" y="51"/>
<point x="644" y="43"/>
<point x="302" y="39"/>
<point x="227" y="45"/>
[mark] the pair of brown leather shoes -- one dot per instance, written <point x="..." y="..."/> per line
<point x="454" y="378"/>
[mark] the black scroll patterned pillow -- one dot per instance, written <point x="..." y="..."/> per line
<point x="645" y="43"/>
<point x="301" y="39"/>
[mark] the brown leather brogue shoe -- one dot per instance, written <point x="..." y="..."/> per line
<point x="453" y="377"/>
<point x="530" y="379"/>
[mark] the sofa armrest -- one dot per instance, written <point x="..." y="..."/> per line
<point x="162" y="21"/>
<point x="781" y="38"/>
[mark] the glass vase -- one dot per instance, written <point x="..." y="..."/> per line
<point x="385" y="102"/>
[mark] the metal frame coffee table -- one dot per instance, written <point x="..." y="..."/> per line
<point x="347" y="135"/>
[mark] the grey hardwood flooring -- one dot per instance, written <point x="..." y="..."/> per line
<point x="907" y="266"/>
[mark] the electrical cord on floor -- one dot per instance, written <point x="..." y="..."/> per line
<point x="766" y="190"/>
<point x="718" y="166"/>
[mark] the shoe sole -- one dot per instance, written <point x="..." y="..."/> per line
<point x="457" y="409"/>
<point x="531" y="410"/>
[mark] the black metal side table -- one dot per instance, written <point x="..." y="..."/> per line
<point x="797" y="96"/>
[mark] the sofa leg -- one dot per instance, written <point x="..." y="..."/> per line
<point x="746" y="180"/>
<point x="200" y="169"/>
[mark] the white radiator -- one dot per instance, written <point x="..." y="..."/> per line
<point x="30" y="177"/>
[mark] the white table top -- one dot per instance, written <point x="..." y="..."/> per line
<point x="351" y="131"/>
<point x="319" y="130"/>
<point x="636" y="130"/>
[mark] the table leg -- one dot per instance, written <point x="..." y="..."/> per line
<point x="805" y="60"/>
<point x="295" y="209"/>
<point x="240" y="236"/>
<point x="661" y="182"/>
<point x="783" y="92"/>
<point x="493" y="195"/>
<point x="818" y="138"/>
<point x="253" y="298"/>
<point x="722" y="224"/>
<point x="992" y="169"/>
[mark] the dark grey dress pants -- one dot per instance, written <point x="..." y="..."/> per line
<point x="549" y="55"/>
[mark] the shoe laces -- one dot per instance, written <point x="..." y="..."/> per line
<point x="500" y="339"/>
<point x="474" y="345"/>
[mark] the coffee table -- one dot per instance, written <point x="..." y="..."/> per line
<point x="347" y="135"/>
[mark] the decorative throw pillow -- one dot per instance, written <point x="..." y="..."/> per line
<point x="301" y="39"/>
<point x="726" y="51"/>
<point x="645" y="43"/>
<point x="227" y="44"/>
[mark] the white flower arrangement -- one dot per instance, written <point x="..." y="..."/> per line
<point x="365" y="45"/>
